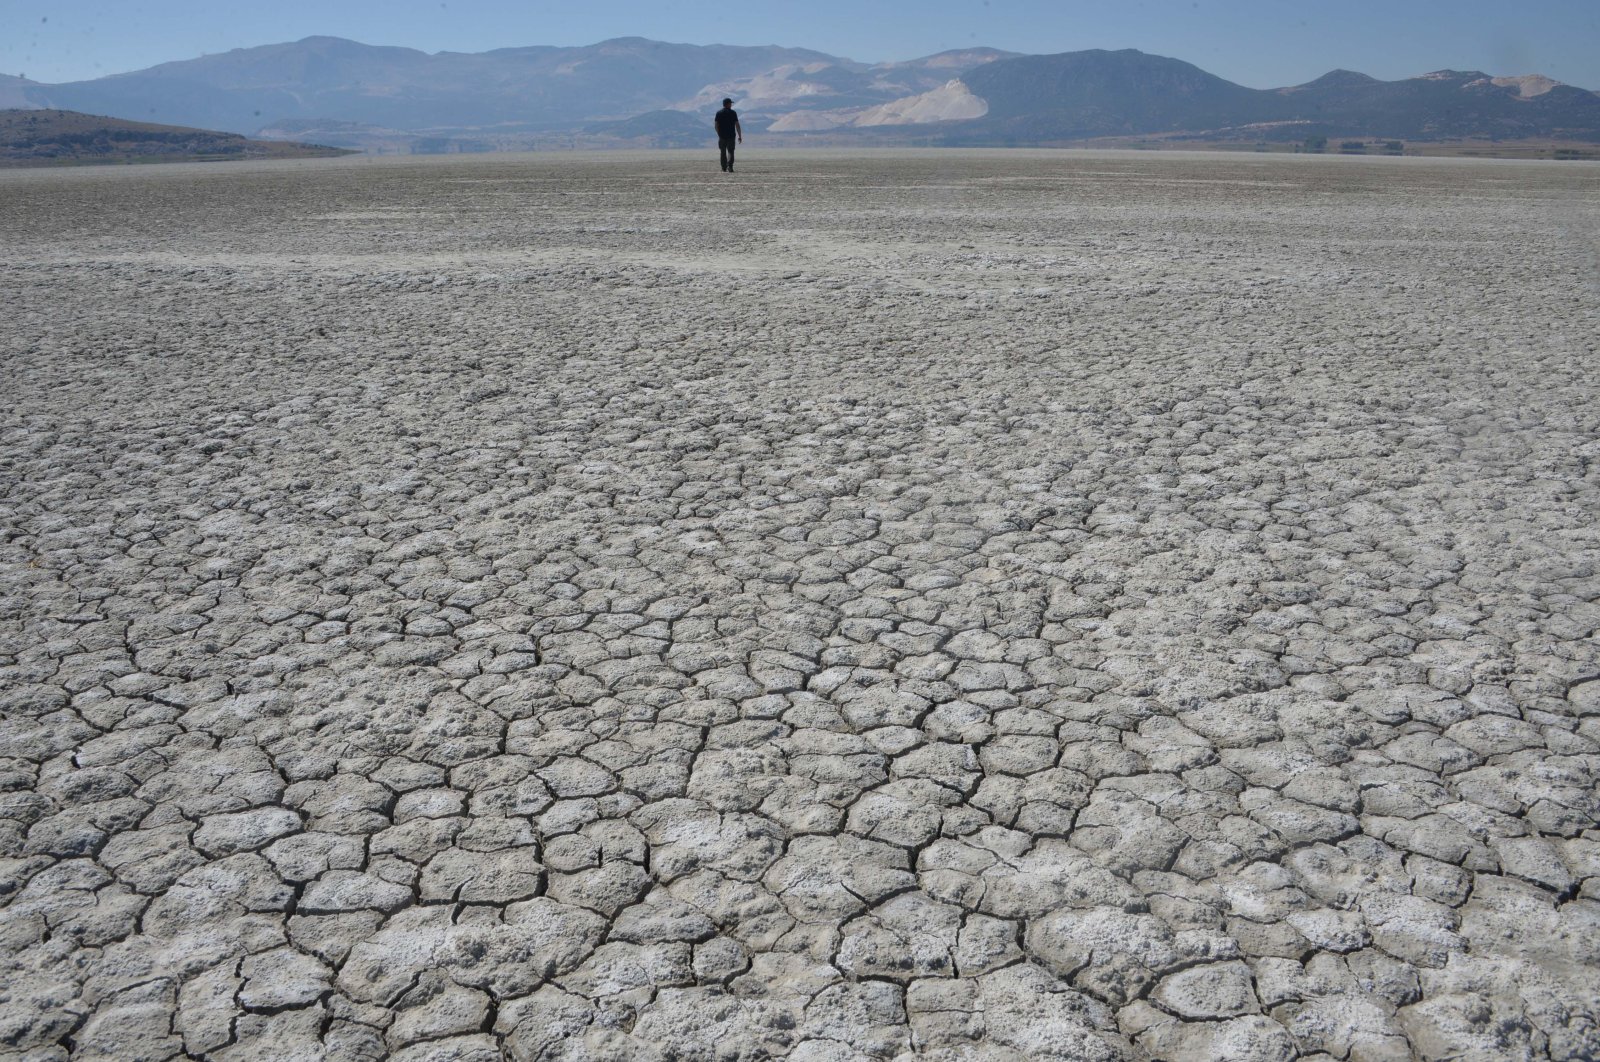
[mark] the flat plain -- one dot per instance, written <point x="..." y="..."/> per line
<point x="1005" y="606"/>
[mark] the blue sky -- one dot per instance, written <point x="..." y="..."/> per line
<point x="1262" y="43"/>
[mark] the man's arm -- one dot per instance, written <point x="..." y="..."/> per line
<point x="738" y="129"/>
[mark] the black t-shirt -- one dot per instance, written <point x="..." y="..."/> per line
<point x="727" y="123"/>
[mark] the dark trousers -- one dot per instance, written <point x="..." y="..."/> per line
<point x="725" y="146"/>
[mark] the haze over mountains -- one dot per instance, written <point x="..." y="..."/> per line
<point x="641" y="91"/>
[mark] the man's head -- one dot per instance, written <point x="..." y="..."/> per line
<point x="727" y="103"/>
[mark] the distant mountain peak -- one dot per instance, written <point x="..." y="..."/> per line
<point x="612" y="44"/>
<point x="321" y="42"/>
<point x="1344" y="77"/>
<point x="953" y="57"/>
<point x="1333" y="81"/>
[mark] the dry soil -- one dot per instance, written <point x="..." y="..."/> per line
<point x="956" y="606"/>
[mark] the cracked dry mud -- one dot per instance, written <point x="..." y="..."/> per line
<point x="1034" y="606"/>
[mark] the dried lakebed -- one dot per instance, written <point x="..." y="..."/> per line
<point x="1024" y="606"/>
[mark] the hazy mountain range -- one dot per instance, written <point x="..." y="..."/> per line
<point x="633" y="90"/>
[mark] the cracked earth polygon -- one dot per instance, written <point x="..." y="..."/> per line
<point x="1005" y="606"/>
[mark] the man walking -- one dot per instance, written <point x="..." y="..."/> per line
<point x="728" y="128"/>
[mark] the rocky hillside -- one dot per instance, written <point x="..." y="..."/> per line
<point x="1097" y="93"/>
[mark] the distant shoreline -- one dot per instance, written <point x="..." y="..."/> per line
<point x="33" y="139"/>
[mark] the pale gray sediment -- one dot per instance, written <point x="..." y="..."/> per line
<point x="961" y="606"/>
